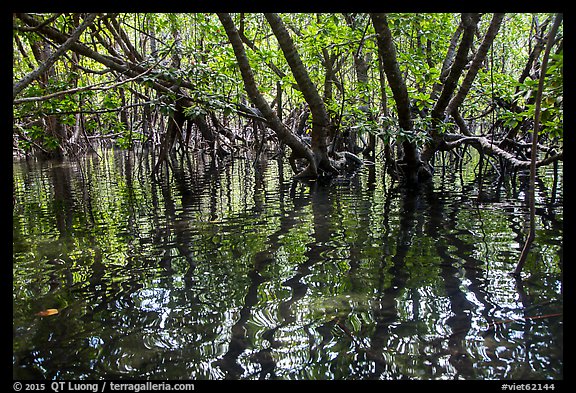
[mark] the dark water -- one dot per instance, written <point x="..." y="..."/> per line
<point x="232" y="271"/>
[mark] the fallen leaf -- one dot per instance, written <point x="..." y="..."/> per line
<point x="47" y="312"/>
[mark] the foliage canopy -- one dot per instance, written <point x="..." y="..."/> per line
<point x="133" y="79"/>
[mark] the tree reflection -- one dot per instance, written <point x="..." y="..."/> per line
<point x="225" y="270"/>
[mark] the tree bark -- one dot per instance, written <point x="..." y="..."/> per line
<point x="392" y="69"/>
<point x="410" y="163"/>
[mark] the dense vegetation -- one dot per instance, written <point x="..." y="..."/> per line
<point x="393" y="88"/>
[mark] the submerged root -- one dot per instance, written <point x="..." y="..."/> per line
<point x="310" y="172"/>
<point x="414" y="173"/>
<point x="341" y="161"/>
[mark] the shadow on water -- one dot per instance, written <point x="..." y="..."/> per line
<point x="233" y="271"/>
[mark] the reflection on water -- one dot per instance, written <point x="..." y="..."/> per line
<point x="234" y="271"/>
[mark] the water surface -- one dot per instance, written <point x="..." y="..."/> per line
<point x="233" y="270"/>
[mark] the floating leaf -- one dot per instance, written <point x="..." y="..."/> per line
<point x="47" y="312"/>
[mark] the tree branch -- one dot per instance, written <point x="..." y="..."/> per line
<point x="20" y="85"/>
<point x="454" y="140"/>
<point x="469" y="21"/>
<point x="479" y="57"/>
<point x="96" y="87"/>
